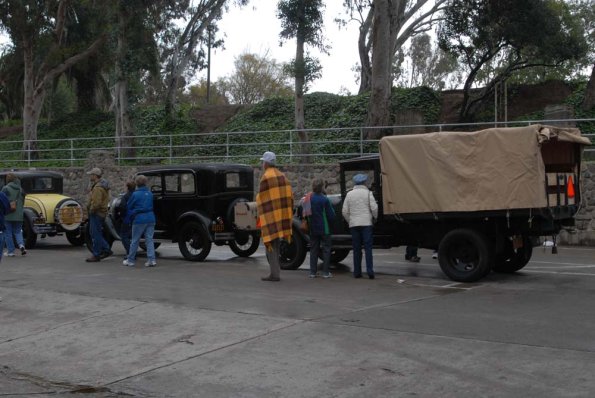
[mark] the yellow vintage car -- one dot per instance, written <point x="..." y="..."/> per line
<point x="47" y="212"/>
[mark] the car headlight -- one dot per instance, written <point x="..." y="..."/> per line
<point x="69" y="214"/>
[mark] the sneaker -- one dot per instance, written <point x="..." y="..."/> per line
<point x="23" y="250"/>
<point x="327" y="275"/>
<point x="312" y="276"/>
<point x="150" y="264"/>
<point x="10" y="254"/>
<point x="127" y="263"/>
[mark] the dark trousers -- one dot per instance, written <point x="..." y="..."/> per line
<point x="125" y="235"/>
<point x="96" y="227"/>
<point x="362" y="236"/>
<point x="410" y="251"/>
<point x="318" y="242"/>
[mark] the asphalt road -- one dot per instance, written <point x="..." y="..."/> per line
<point x="213" y="329"/>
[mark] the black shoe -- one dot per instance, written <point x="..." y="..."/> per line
<point x="270" y="279"/>
<point x="357" y="276"/>
<point x="106" y="254"/>
<point x="413" y="259"/>
<point x="23" y="250"/>
<point x="371" y="276"/>
<point x="93" y="259"/>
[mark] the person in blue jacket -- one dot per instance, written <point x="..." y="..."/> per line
<point x="319" y="223"/>
<point x="139" y="213"/>
<point x="4" y="209"/>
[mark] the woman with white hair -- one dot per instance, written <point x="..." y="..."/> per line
<point x="139" y="213"/>
<point x="360" y="210"/>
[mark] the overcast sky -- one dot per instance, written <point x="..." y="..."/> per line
<point x="255" y="28"/>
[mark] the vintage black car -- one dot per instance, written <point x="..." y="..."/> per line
<point x="47" y="211"/>
<point x="194" y="206"/>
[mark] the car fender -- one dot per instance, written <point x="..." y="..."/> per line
<point x="196" y="216"/>
<point x="30" y="215"/>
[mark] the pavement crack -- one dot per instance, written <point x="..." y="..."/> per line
<point x="71" y="323"/>
<point x="247" y="339"/>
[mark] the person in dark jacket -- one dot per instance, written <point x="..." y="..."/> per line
<point x="125" y="229"/>
<point x="319" y="222"/>
<point x="13" y="221"/>
<point x="4" y="209"/>
<point x="140" y="214"/>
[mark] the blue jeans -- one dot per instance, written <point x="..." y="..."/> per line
<point x="96" y="229"/>
<point x="138" y="231"/>
<point x="13" y="228"/>
<point x="125" y="235"/>
<point x="1" y="244"/>
<point x="318" y="242"/>
<point x="362" y="235"/>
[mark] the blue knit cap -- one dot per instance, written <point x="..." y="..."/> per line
<point x="359" y="179"/>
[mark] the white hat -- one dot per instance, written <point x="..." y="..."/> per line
<point x="269" y="157"/>
<point x="95" y="171"/>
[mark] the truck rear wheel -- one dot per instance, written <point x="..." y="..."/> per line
<point x="510" y="261"/>
<point x="292" y="254"/>
<point x="464" y="255"/>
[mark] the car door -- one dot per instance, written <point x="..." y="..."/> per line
<point x="178" y="197"/>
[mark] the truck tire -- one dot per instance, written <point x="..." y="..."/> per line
<point x="337" y="255"/>
<point x="510" y="261"/>
<point x="292" y="255"/>
<point x="29" y="237"/>
<point x="245" y="243"/>
<point x="464" y="255"/>
<point x="194" y="241"/>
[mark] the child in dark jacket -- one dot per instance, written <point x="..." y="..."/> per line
<point x="319" y="221"/>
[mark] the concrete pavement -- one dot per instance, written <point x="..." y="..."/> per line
<point x="213" y="329"/>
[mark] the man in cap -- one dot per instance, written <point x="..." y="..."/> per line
<point x="97" y="208"/>
<point x="275" y="212"/>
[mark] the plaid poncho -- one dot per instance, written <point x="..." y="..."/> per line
<point x="274" y="202"/>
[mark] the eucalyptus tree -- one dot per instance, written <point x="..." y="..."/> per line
<point x="516" y="34"/>
<point x="38" y="30"/>
<point x="302" y="20"/>
<point x="11" y="82"/>
<point x="181" y="41"/>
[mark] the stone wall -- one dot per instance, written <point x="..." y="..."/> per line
<point x="76" y="184"/>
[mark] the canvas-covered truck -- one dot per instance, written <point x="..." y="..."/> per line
<point x="480" y="198"/>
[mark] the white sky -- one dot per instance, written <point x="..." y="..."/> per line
<point x="255" y="28"/>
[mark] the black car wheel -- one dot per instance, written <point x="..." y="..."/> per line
<point x="89" y="241"/>
<point x="194" y="241"/>
<point x="76" y="237"/>
<point x="245" y="243"/>
<point x="337" y="255"/>
<point x="510" y="261"/>
<point x="464" y="255"/>
<point x="292" y="254"/>
<point x="29" y="237"/>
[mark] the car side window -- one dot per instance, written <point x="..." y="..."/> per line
<point x="154" y="182"/>
<point x="235" y="180"/>
<point x="42" y="183"/>
<point x="181" y="182"/>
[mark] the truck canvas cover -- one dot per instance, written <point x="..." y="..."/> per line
<point x="492" y="169"/>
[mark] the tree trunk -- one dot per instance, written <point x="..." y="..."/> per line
<point x="300" y="70"/>
<point x="379" y="106"/>
<point x="589" y="100"/>
<point x="363" y="46"/>
<point x="124" y="130"/>
<point x="32" y="105"/>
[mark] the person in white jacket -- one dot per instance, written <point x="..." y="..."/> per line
<point x="359" y="210"/>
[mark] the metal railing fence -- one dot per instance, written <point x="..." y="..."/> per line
<point x="323" y="145"/>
